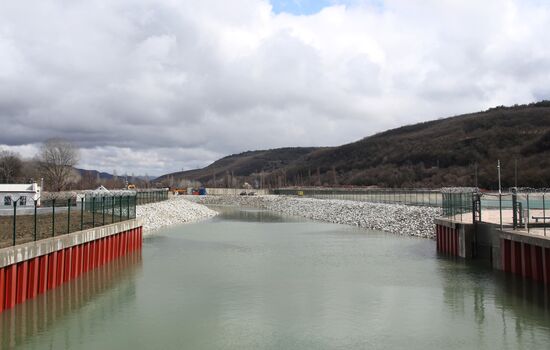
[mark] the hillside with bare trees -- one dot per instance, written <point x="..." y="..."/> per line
<point x="455" y="151"/>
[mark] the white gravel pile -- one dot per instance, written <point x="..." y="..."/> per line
<point x="176" y="210"/>
<point x="394" y="218"/>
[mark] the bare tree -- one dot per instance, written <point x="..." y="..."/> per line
<point x="56" y="159"/>
<point x="10" y="166"/>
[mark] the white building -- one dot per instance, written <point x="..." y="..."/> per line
<point x="25" y="194"/>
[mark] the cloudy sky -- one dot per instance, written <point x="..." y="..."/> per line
<point x="154" y="86"/>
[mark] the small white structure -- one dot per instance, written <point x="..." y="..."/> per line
<point x="24" y="194"/>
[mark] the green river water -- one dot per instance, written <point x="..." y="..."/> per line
<point x="255" y="280"/>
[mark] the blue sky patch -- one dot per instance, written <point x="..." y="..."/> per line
<point x="309" y="7"/>
<point x="301" y="7"/>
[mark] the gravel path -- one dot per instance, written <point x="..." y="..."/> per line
<point x="394" y="218"/>
<point x="176" y="210"/>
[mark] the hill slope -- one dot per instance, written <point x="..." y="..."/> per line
<point x="443" y="152"/>
<point x="251" y="166"/>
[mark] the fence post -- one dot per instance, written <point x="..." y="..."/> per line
<point x="69" y="215"/>
<point x="127" y="207"/>
<point x="544" y="213"/>
<point x="500" y="208"/>
<point x="528" y="213"/>
<point x="112" y="209"/>
<point x="103" y="211"/>
<point x="35" y="219"/>
<point x="82" y="214"/>
<point x="120" y="209"/>
<point x="93" y="212"/>
<point x="14" y="221"/>
<point x="53" y="217"/>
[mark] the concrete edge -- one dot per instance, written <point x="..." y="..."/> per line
<point x="23" y="252"/>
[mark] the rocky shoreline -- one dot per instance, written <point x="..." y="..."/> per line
<point x="394" y="218"/>
<point x="176" y="210"/>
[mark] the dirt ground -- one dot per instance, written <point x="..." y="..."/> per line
<point x="47" y="227"/>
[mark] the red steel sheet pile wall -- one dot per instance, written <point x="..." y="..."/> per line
<point x="527" y="260"/>
<point x="27" y="279"/>
<point x="447" y="240"/>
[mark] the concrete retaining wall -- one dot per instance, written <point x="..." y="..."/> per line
<point x="513" y="252"/>
<point x="30" y="269"/>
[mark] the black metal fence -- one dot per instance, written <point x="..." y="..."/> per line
<point x="151" y="195"/>
<point x="458" y="204"/>
<point x="54" y="217"/>
<point x="418" y="197"/>
<point x="527" y="211"/>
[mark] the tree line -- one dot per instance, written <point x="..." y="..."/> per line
<point x="54" y="167"/>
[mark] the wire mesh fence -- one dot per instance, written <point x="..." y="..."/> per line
<point x="57" y="216"/>
<point x="528" y="212"/>
<point x="419" y="197"/>
<point x="459" y="205"/>
<point x="151" y="195"/>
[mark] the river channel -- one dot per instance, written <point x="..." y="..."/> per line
<point x="255" y="280"/>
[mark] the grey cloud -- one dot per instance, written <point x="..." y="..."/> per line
<point x="157" y="86"/>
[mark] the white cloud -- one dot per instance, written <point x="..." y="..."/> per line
<point x="156" y="86"/>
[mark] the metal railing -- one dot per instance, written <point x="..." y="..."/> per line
<point x="54" y="217"/>
<point x="418" y="197"/>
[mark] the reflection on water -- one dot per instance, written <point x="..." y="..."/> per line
<point x="255" y="280"/>
<point x="497" y="302"/>
<point x="36" y="316"/>
<point x="252" y="215"/>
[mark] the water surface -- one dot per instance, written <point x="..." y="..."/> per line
<point x="256" y="280"/>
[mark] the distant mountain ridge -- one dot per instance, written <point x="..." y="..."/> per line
<point x="454" y="151"/>
<point x="94" y="173"/>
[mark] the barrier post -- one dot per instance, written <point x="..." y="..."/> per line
<point x="500" y="208"/>
<point x="69" y="215"/>
<point x="82" y="214"/>
<point x="93" y="212"/>
<point x="53" y="217"/>
<point x="528" y="213"/>
<point x="544" y="213"/>
<point x="35" y="219"/>
<point x="14" y="221"/>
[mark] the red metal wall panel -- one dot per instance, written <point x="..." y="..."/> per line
<point x="22" y="279"/>
<point x="27" y="279"/>
<point x="52" y="270"/>
<point x="2" y="287"/>
<point x="43" y="274"/>
<point x="32" y="287"/>
<point x="10" y="293"/>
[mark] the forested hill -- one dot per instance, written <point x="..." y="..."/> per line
<point x="444" y="152"/>
<point x="238" y="167"/>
